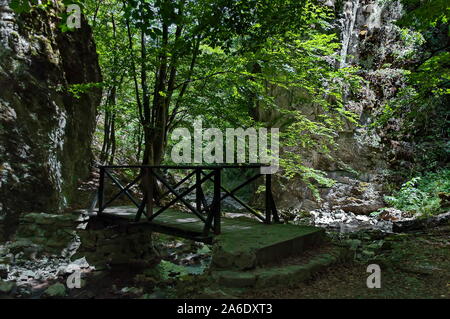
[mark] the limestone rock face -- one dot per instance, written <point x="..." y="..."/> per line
<point x="370" y="40"/>
<point x="45" y="132"/>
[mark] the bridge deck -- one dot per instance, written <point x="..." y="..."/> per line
<point x="187" y="225"/>
<point x="173" y="222"/>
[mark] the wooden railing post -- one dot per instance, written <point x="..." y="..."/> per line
<point x="198" y="190"/>
<point x="101" y="190"/>
<point x="268" y="198"/>
<point x="149" y="180"/>
<point x="216" y="201"/>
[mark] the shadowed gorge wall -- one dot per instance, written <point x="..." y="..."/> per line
<point x="45" y="132"/>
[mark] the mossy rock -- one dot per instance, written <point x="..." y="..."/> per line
<point x="57" y="290"/>
<point x="50" y="219"/>
<point x="7" y="287"/>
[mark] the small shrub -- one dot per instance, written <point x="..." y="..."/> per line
<point x="420" y="194"/>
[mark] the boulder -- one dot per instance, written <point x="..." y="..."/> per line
<point x="421" y="223"/>
<point x="357" y="198"/>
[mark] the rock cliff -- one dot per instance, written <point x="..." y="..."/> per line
<point x="371" y="41"/>
<point x="45" y="131"/>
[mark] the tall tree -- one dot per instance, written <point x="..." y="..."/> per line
<point x="221" y="59"/>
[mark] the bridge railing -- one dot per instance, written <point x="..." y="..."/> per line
<point x="208" y="213"/>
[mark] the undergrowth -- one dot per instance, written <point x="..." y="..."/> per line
<point x="424" y="195"/>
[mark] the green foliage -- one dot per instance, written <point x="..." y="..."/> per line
<point x="167" y="270"/>
<point x="423" y="14"/>
<point x="419" y="112"/>
<point x="420" y="194"/>
<point x="77" y="90"/>
<point x="21" y="6"/>
<point x="229" y="58"/>
<point x="433" y="75"/>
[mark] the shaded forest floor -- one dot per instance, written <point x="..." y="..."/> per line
<point x="415" y="265"/>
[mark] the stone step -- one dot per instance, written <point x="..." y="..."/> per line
<point x="245" y="248"/>
<point x="287" y="274"/>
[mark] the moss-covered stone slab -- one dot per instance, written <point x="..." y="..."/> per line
<point x="288" y="274"/>
<point x="251" y="244"/>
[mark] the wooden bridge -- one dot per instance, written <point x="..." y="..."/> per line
<point x="202" y="220"/>
<point x="241" y="243"/>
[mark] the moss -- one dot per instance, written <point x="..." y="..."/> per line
<point x="57" y="290"/>
<point x="235" y="279"/>
<point x="6" y="286"/>
<point x="259" y="235"/>
<point x="281" y="275"/>
<point x="248" y="244"/>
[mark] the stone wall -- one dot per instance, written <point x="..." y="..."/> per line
<point x="45" y="132"/>
<point x="48" y="246"/>
<point x="48" y="234"/>
<point x="111" y="245"/>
